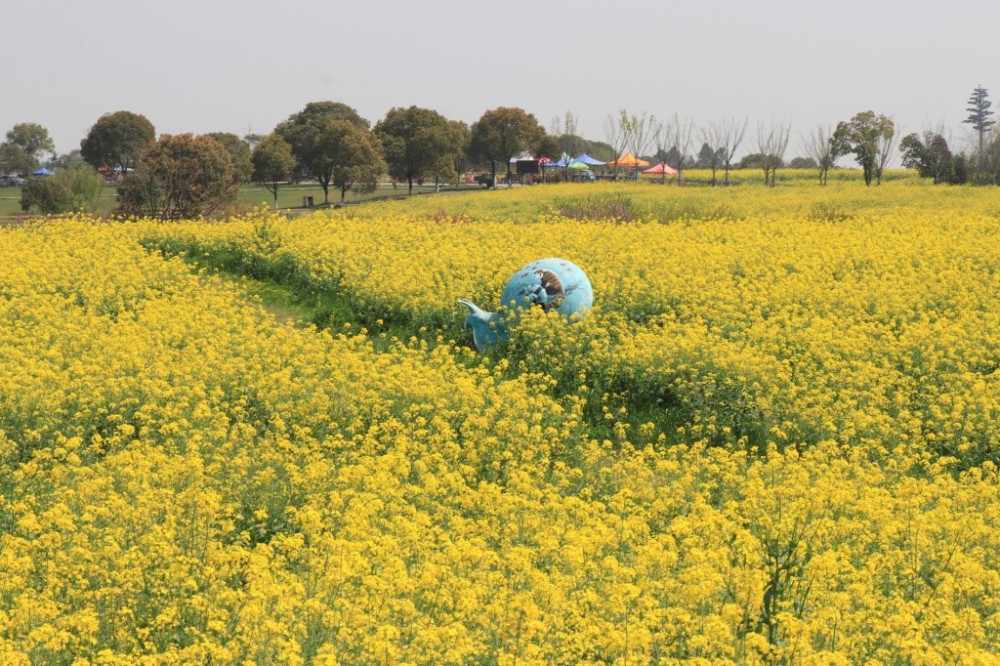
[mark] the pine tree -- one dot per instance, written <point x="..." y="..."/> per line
<point x="979" y="114"/>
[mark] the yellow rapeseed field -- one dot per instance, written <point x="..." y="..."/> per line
<point x="774" y="441"/>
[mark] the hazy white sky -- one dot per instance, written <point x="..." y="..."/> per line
<point x="235" y="65"/>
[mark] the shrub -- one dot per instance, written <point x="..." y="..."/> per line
<point x="74" y="189"/>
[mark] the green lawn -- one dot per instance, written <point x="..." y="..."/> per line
<point x="10" y="201"/>
<point x="289" y="196"/>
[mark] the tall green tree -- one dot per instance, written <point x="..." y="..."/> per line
<point x="33" y="139"/>
<point x="239" y="154"/>
<point x="460" y="135"/>
<point x="548" y="146"/>
<point x="638" y="130"/>
<point x="308" y="132"/>
<point x="870" y="138"/>
<point x="502" y="133"/>
<point x="181" y="176"/>
<point x="117" y="141"/>
<point x="355" y="157"/>
<point x="272" y="163"/>
<point x="979" y="115"/>
<point x="929" y="155"/>
<point x="416" y="142"/>
<point x="13" y="159"/>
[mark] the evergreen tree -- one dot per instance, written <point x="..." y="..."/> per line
<point x="979" y="114"/>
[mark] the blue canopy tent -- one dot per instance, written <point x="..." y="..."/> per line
<point x="588" y="160"/>
<point x="42" y="172"/>
<point x="563" y="161"/>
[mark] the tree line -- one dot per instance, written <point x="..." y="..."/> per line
<point x="328" y="142"/>
<point x="187" y="175"/>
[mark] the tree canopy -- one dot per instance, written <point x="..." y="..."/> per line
<point x="929" y="155"/>
<point x="355" y="157"/>
<point x="869" y="137"/>
<point x="181" y="176"/>
<point x="33" y="140"/>
<point x="316" y="130"/>
<point x="502" y="133"/>
<point x="416" y="142"/>
<point x="272" y="163"/>
<point x="13" y="159"/>
<point x="460" y="136"/>
<point x="239" y="154"/>
<point x="117" y="140"/>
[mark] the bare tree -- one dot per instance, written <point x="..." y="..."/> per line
<point x="682" y="133"/>
<point x="570" y="124"/>
<point x="661" y="140"/>
<point x="673" y="143"/>
<point x="711" y="137"/>
<point x="884" y="147"/>
<point x="555" y="127"/>
<point x="817" y="145"/>
<point x="615" y="135"/>
<point x="772" y="141"/>
<point x="729" y="135"/>
<point x="565" y="130"/>
<point x="638" y="131"/>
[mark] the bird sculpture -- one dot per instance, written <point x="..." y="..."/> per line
<point x="555" y="285"/>
<point x="486" y="327"/>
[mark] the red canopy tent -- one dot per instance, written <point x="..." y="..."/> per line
<point x="661" y="169"/>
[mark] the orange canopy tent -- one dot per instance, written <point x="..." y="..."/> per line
<point x="629" y="161"/>
<point x="661" y="169"/>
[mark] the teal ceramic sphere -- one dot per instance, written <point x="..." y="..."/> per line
<point x="555" y="285"/>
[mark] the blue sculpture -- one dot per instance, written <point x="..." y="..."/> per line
<point x="552" y="284"/>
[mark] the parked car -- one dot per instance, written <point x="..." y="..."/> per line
<point x="13" y="181"/>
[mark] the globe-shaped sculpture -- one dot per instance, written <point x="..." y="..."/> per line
<point x="553" y="284"/>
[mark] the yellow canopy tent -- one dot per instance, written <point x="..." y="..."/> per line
<point x="629" y="161"/>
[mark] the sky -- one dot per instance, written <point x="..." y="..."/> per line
<point x="245" y="65"/>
